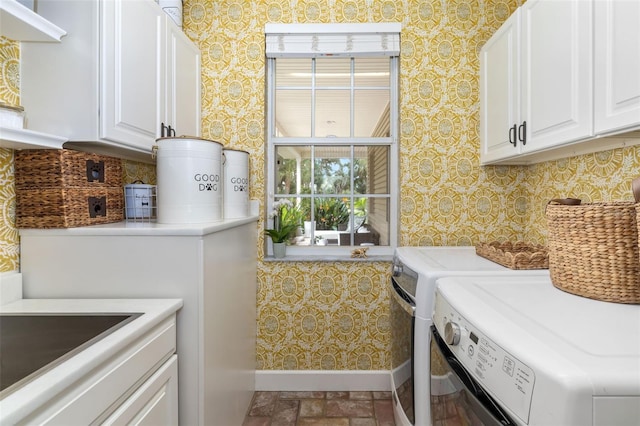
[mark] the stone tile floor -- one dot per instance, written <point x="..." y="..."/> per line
<point x="320" y="409"/>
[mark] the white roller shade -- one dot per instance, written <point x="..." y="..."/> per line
<point x="314" y="40"/>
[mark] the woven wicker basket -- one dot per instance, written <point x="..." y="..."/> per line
<point x="65" y="168"/>
<point x="68" y="207"/>
<point x="593" y="250"/>
<point x="518" y="255"/>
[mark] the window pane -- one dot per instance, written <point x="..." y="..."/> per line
<point x="373" y="120"/>
<point x="377" y="222"/>
<point x="330" y="213"/>
<point x="333" y="106"/>
<point x="372" y="72"/>
<point x="296" y="104"/>
<point x="356" y="232"/>
<point x="371" y="170"/>
<point x="333" y="113"/>
<point x="293" y="72"/>
<point x="332" y="174"/>
<point x="293" y="170"/>
<point x="333" y="72"/>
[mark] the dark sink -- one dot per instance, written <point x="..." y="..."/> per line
<point x="31" y="344"/>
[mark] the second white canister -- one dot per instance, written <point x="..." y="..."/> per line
<point x="189" y="180"/>
<point x="236" y="183"/>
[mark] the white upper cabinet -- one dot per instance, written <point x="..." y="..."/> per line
<point x="182" y="84"/>
<point x="20" y="23"/>
<point x="500" y="91"/>
<point x="557" y="62"/>
<point x="535" y="77"/>
<point x="617" y="68"/>
<point x="128" y="90"/>
<point x="113" y="81"/>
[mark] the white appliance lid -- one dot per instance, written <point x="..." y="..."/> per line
<point x="545" y="327"/>
<point x="445" y="258"/>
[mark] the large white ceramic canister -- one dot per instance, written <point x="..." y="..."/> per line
<point x="189" y="180"/>
<point x="236" y="183"/>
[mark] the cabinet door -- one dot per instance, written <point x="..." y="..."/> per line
<point x="557" y="62"/>
<point x="500" y="91"/>
<point x="617" y="65"/>
<point x="182" y="88"/>
<point x="130" y="87"/>
<point x="154" y="403"/>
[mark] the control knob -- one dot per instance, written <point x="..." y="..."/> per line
<point x="451" y="333"/>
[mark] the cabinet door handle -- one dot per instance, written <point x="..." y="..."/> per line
<point x="522" y="133"/>
<point x="167" y="130"/>
<point x="512" y="135"/>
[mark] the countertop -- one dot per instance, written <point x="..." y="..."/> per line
<point x="144" y="228"/>
<point x="40" y="389"/>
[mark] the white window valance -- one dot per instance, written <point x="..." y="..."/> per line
<point x="316" y="40"/>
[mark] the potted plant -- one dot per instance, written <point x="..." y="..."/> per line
<point x="283" y="227"/>
<point x="293" y="214"/>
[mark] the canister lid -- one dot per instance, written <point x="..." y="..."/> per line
<point x="185" y="137"/>
<point x="235" y="150"/>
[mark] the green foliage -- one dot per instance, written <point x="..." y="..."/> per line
<point x="360" y="207"/>
<point x="283" y="234"/>
<point x="330" y="213"/>
<point x="292" y="215"/>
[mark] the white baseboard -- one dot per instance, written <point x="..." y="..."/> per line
<point x="321" y="380"/>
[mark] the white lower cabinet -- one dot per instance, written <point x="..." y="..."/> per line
<point x="154" y="403"/>
<point x="137" y="385"/>
<point x="211" y="267"/>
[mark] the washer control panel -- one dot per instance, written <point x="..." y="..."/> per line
<point x="501" y="374"/>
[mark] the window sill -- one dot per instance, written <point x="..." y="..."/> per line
<point x="328" y="258"/>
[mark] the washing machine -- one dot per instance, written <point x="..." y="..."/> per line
<point x="415" y="271"/>
<point x="521" y="352"/>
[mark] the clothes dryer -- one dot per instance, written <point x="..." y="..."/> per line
<point x="412" y="287"/>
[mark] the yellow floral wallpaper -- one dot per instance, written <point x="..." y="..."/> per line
<point x="9" y="94"/>
<point x="336" y="315"/>
<point x="316" y="315"/>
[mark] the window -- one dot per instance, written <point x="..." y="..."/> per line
<point x="332" y="145"/>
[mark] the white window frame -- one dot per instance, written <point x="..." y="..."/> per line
<point x="345" y="40"/>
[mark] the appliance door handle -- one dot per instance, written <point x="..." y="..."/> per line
<point x="402" y="298"/>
